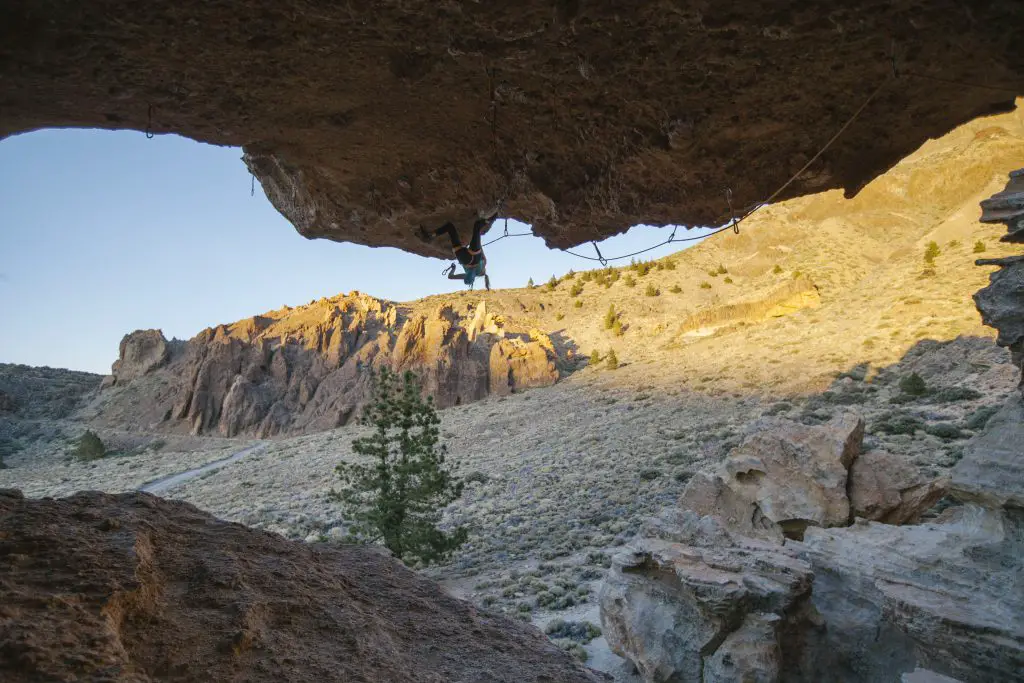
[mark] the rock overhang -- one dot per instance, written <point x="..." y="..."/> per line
<point x="365" y="120"/>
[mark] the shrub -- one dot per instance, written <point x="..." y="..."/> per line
<point x="953" y="394"/>
<point x="559" y="316"/>
<point x="913" y="385"/>
<point x="90" y="447"/>
<point x="610" y="317"/>
<point x="576" y="289"/>
<point x="930" y="252"/>
<point x="578" y="304"/>
<point x="722" y="270"/>
<point x="612" y="360"/>
<point x="552" y="283"/>
<point x="797" y="274"/>
<point x="580" y="631"/>
<point x="629" y="281"/>
<point x="898" y="424"/>
<point x="777" y="269"/>
<point x="980" y="417"/>
<point x="670" y="264"/>
<point x="675" y="289"/>
<point x="398" y="497"/>
<point x="595" y="357"/>
<point x="953" y="244"/>
<point x="652" y="291"/>
<point x="705" y="285"/>
<point x="944" y="430"/>
<point x="476" y="476"/>
<point x="713" y="273"/>
<point x="979" y="247"/>
<point x="728" y="281"/>
<point x="649" y="475"/>
<point x="586" y="276"/>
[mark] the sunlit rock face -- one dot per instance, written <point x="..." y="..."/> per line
<point x="364" y="119"/>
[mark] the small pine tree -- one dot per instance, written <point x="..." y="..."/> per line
<point x="559" y="316"/>
<point x="652" y="291"/>
<point x="397" y="498"/>
<point x="578" y="304"/>
<point x="90" y="447"/>
<point x="705" y="285"/>
<point x="571" y="274"/>
<point x="913" y="385"/>
<point x="727" y="280"/>
<point x="675" y="289"/>
<point x="529" y="284"/>
<point x="576" y="289"/>
<point x="777" y="269"/>
<point x="595" y="357"/>
<point x="670" y="264"/>
<point x="722" y="270"/>
<point x="979" y="247"/>
<point x="629" y="281"/>
<point x="930" y="252"/>
<point x="610" y="317"/>
<point x="612" y="360"/>
<point x="617" y="329"/>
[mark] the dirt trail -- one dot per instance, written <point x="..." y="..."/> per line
<point x="164" y="484"/>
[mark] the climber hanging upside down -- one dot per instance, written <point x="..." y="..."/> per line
<point x="471" y="256"/>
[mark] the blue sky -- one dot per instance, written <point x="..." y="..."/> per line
<point x="105" y="232"/>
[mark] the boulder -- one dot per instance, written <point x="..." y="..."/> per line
<point x="784" y="477"/>
<point x="516" y="364"/>
<point x="141" y="352"/>
<point x="887" y="488"/>
<point x="673" y="600"/>
<point x="132" y="587"/>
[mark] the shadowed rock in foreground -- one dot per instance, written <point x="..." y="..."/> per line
<point x="363" y="119"/>
<point x="136" y="588"/>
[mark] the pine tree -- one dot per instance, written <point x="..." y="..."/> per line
<point x="530" y="284"/>
<point x="90" y="447"/>
<point x="979" y="247"/>
<point x="930" y="252"/>
<point x="397" y="498"/>
<point x="612" y="360"/>
<point x="610" y="317"/>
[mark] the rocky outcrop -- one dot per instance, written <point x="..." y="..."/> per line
<point x="362" y="120"/>
<point x="783" y="479"/>
<point x="689" y="597"/>
<point x="1002" y="303"/>
<point x="132" y="587"/>
<point x="7" y="403"/>
<point x="308" y="368"/>
<point x="695" y="598"/>
<point x="141" y="352"/>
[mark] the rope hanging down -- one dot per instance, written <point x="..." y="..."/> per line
<point x="149" y="123"/>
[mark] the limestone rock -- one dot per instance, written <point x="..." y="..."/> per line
<point x="887" y="488"/>
<point x="671" y="606"/>
<point x="363" y="120"/>
<point x="710" y="495"/>
<point x="515" y="364"/>
<point x="141" y="352"/>
<point x="992" y="469"/>
<point x="220" y="602"/>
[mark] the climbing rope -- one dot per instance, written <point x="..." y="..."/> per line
<point x="149" y="123"/>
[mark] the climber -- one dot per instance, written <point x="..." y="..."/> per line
<point x="471" y="256"/>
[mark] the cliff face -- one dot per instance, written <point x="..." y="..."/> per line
<point x="363" y="119"/>
<point x="306" y="369"/>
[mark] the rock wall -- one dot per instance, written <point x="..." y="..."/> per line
<point x="136" y="588"/>
<point x="362" y="120"/>
<point x="306" y="369"/>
